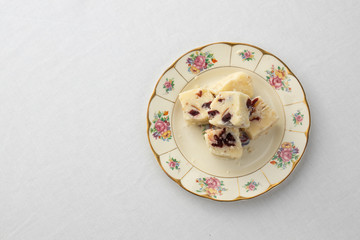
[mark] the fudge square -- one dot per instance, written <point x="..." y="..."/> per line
<point x="229" y="109"/>
<point x="238" y="81"/>
<point x="262" y="117"/>
<point x="195" y="105"/>
<point x="224" y="142"/>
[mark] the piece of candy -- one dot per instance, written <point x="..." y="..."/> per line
<point x="229" y="109"/>
<point x="262" y="117"/>
<point x="224" y="142"/>
<point x="195" y="105"/>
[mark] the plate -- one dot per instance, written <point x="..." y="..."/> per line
<point x="180" y="148"/>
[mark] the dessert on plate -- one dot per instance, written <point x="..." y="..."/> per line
<point x="238" y="81"/>
<point x="224" y="142"/>
<point x="261" y="118"/>
<point x="229" y="108"/>
<point x="195" y="105"/>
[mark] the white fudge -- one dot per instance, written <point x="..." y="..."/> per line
<point x="262" y="117"/>
<point x="238" y="81"/>
<point x="224" y="142"/>
<point x="229" y="109"/>
<point x="195" y="105"/>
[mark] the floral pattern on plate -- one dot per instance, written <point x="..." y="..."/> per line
<point x="251" y="185"/>
<point x="247" y="55"/>
<point x="199" y="61"/>
<point x="169" y="85"/>
<point x="278" y="78"/>
<point x="211" y="186"/>
<point x="161" y="129"/>
<point x="287" y="154"/>
<point x="173" y="163"/>
<point x="298" y="117"/>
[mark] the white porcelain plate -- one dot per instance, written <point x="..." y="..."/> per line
<point x="180" y="148"/>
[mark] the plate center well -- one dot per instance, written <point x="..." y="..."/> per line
<point x="191" y="143"/>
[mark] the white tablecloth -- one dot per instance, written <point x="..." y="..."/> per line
<point x="75" y="80"/>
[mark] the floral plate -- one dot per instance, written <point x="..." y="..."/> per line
<point x="180" y="148"/>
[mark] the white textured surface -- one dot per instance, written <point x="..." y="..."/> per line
<point x="74" y="157"/>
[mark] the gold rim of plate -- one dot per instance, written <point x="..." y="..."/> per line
<point x="271" y="186"/>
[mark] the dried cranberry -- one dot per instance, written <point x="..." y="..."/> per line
<point x="213" y="113"/>
<point x="222" y="140"/>
<point x="221" y="99"/>
<point x="230" y="137"/>
<point x="199" y="93"/>
<point x="229" y="140"/>
<point x="219" y="142"/>
<point x="194" y="113"/>
<point x="251" y="105"/>
<point x="226" y="117"/>
<point x="253" y="102"/>
<point x="206" y="105"/>
<point x="248" y="103"/>
<point x="255" y="118"/>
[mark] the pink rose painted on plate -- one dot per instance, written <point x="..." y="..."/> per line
<point x="286" y="154"/>
<point x="278" y="78"/>
<point x="212" y="186"/>
<point x="173" y="163"/>
<point x="275" y="82"/>
<point x="161" y="126"/>
<point x="251" y="185"/>
<point x="169" y="85"/>
<point x="298" y="117"/>
<point x="161" y="129"/>
<point x="246" y="55"/>
<point x="199" y="61"/>
<point x="213" y="182"/>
